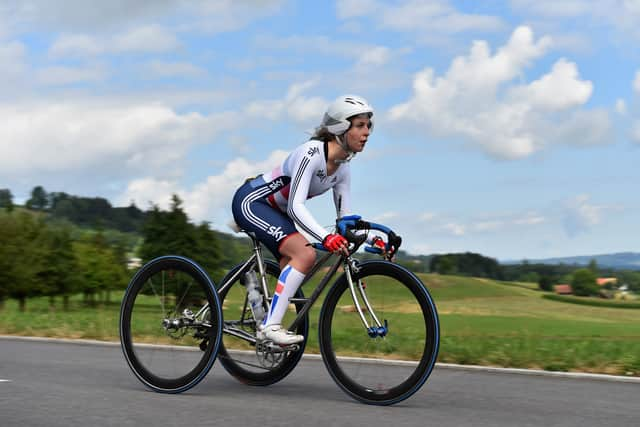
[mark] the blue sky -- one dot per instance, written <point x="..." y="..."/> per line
<point x="508" y="128"/>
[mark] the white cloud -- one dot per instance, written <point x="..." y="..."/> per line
<point x="375" y="57"/>
<point x="323" y="45"/>
<point x="620" y="15"/>
<point x="12" y="58"/>
<point x="76" y="137"/>
<point x="484" y="226"/>
<point x="75" y="45"/>
<point x="479" y="99"/>
<point x="353" y="8"/>
<point x="530" y="218"/>
<point x="427" y="216"/>
<point x="557" y="90"/>
<point x="580" y="215"/>
<point x="553" y="8"/>
<point x="202" y="201"/>
<point x="294" y="105"/>
<point x="636" y="83"/>
<point x="174" y="69"/>
<point x="149" y="39"/>
<point x="454" y="229"/>
<point x="228" y="15"/>
<point x="435" y="16"/>
<point x="386" y="216"/>
<point x="621" y="107"/>
<point x="59" y="75"/>
<point x="82" y="16"/>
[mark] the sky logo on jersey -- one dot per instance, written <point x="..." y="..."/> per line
<point x="313" y="151"/>
<point x="276" y="184"/>
<point x="276" y="232"/>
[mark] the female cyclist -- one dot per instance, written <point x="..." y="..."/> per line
<point x="273" y="204"/>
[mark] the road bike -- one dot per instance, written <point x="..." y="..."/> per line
<point x="378" y="328"/>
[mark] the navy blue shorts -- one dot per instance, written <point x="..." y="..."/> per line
<point x="252" y="212"/>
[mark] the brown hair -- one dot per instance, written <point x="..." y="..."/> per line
<point x="323" y="134"/>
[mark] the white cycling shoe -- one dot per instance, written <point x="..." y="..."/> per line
<point x="278" y="335"/>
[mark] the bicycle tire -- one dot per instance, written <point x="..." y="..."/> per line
<point x="238" y="357"/>
<point x="166" y="350"/>
<point x="360" y="364"/>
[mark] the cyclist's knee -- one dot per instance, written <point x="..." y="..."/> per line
<point x="303" y="259"/>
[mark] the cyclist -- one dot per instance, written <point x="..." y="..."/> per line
<point x="273" y="204"/>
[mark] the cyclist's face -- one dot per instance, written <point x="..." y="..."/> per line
<point x="358" y="133"/>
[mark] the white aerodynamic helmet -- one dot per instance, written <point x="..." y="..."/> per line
<point x="336" y="121"/>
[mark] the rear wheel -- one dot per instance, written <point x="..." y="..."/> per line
<point x="170" y="324"/>
<point x="238" y="352"/>
<point x="380" y="370"/>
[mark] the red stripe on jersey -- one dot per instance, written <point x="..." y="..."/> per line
<point x="279" y="288"/>
<point x="285" y="191"/>
<point x="272" y="201"/>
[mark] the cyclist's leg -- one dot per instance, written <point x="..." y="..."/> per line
<point x="299" y="259"/>
<point x="277" y="232"/>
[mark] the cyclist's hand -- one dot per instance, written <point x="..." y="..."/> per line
<point x="336" y="243"/>
<point x="378" y="243"/>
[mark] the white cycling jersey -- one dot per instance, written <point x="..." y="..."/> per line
<point x="305" y="170"/>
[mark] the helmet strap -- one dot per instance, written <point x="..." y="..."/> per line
<point x="350" y="154"/>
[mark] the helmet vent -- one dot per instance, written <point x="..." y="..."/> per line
<point x="353" y="101"/>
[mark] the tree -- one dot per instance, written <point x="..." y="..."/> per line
<point x="58" y="275"/>
<point x="6" y="199"/>
<point x="545" y="283"/>
<point x="21" y="256"/>
<point x="208" y="249"/>
<point x="443" y="265"/>
<point x="39" y="199"/>
<point x="168" y="233"/>
<point x="584" y="283"/>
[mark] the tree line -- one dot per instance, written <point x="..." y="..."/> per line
<point x="41" y="259"/>
<point x="58" y="245"/>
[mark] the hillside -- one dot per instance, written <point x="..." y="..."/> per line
<point x="618" y="261"/>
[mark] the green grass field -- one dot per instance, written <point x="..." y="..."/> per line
<point x="483" y="322"/>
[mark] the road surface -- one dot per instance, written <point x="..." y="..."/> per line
<point x="71" y="384"/>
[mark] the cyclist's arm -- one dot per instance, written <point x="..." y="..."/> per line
<point x="342" y="193"/>
<point x="298" y="194"/>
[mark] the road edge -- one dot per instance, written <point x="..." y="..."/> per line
<point x="449" y="366"/>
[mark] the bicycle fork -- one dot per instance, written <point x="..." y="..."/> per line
<point x="374" y="331"/>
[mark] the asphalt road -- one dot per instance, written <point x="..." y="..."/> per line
<point x="66" y="384"/>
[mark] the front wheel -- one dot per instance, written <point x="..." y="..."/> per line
<point x="170" y="324"/>
<point x="380" y="370"/>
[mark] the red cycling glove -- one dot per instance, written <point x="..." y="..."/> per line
<point x="333" y="242"/>
<point x="377" y="242"/>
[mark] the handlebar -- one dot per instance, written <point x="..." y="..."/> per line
<point x="346" y="225"/>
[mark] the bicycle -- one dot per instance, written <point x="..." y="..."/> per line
<point x="375" y="311"/>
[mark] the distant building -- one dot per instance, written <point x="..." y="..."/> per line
<point x="601" y="281"/>
<point x="133" y="263"/>
<point x="562" y="289"/>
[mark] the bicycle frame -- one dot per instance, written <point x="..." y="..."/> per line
<point x="350" y="265"/>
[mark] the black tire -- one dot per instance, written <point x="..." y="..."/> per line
<point x="237" y="355"/>
<point x="362" y="366"/>
<point x="170" y="359"/>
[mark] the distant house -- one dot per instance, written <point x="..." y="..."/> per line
<point x="133" y="263"/>
<point x="601" y="281"/>
<point x="562" y="289"/>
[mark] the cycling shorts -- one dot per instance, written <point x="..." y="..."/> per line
<point x="253" y="213"/>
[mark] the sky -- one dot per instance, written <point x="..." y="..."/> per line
<point x="506" y="128"/>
